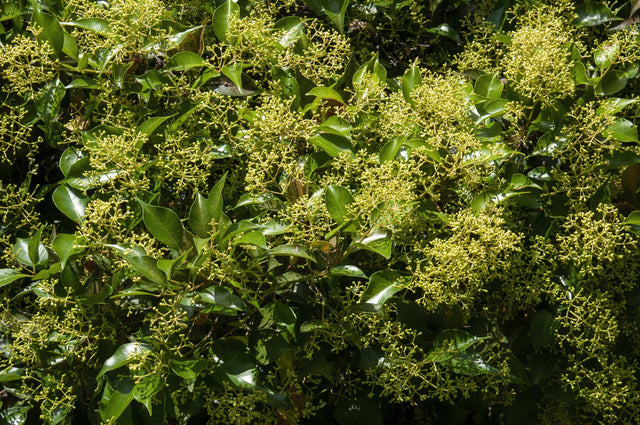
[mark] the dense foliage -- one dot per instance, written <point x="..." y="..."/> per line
<point x="319" y="211"/>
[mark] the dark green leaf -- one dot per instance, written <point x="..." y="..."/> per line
<point x="14" y="415"/>
<point x="382" y="286"/>
<point x="450" y="343"/>
<point x="71" y="202"/>
<point x="378" y="242"/>
<point x="410" y="80"/>
<point x="542" y="330"/>
<point x="221" y="19"/>
<point x="234" y="73"/>
<point x="336" y="11"/>
<point x="622" y="130"/>
<point x="278" y="314"/>
<point x="591" y="13"/>
<point x="292" y="251"/>
<point x="64" y="246"/>
<point x="471" y="364"/>
<point x="124" y="355"/>
<point x="12" y="374"/>
<point x="115" y="399"/>
<point x="184" y="60"/>
<point x="146" y="388"/>
<point x="164" y="225"/>
<point x="447" y="31"/>
<point x="97" y="25"/>
<point x="332" y="144"/>
<point x="48" y="101"/>
<point x="347" y="270"/>
<point x="488" y="86"/>
<point x="611" y="83"/>
<point x="51" y="33"/>
<point x="336" y="200"/>
<point x="222" y="297"/>
<point x="149" y="125"/>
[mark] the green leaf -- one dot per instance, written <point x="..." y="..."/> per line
<point x="73" y="162"/>
<point x="390" y="150"/>
<point x="124" y="355"/>
<point x="51" y="33"/>
<point x="347" y="270"/>
<point x="336" y="200"/>
<point x="269" y="345"/>
<point x="12" y="374"/>
<point x="449" y="343"/>
<point x="332" y="144"/>
<point x="234" y="73"/>
<point x="614" y="105"/>
<point x="336" y="125"/>
<point x="146" y="388"/>
<point x="150" y="125"/>
<point x="115" y="399"/>
<point x="471" y="364"/>
<point x="542" y="330"/>
<point x="292" y="251"/>
<point x="164" y="225"/>
<point x="488" y="86"/>
<point x="336" y="11"/>
<point x="97" y="25"/>
<point x="358" y="412"/>
<point x="64" y="246"/>
<point x="184" y="60"/>
<point x="9" y="275"/>
<point x="611" y="83"/>
<point x="255" y="238"/>
<point x="280" y="315"/>
<point x="48" y="101"/>
<point x="215" y="198"/>
<point x="14" y="415"/>
<point x="605" y="55"/>
<point x="326" y="93"/>
<point x="622" y="130"/>
<point x="292" y="28"/>
<point x="634" y="218"/>
<point x="221" y="19"/>
<point x="447" y="31"/>
<point x="378" y="242"/>
<point x="591" y="13"/>
<point x="410" y="80"/>
<point x="383" y="285"/>
<point x="71" y="202"/>
<point x="200" y="216"/>
<point x="230" y="304"/>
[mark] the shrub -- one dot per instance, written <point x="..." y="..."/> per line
<point x="319" y="212"/>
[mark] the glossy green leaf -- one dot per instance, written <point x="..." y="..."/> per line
<point x="151" y="124"/>
<point x="269" y="345"/>
<point x="390" y="150"/>
<point x="14" y="415"/>
<point x="291" y="28"/>
<point x="221" y="19"/>
<point x="605" y="55"/>
<point x="10" y="10"/>
<point x="336" y="11"/>
<point x="51" y="33"/>
<point x="292" y="251"/>
<point x="378" y="242"/>
<point x="255" y="238"/>
<point x="592" y="13"/>
<point x="201" y="215"/>
<point x="336" y="125"/>
<point x="611" y="83"/>
<point x="280" y="315"/>
<point x="184" y="60"/>
<point x="146" y="388"/>
<point x="450" y="343"/>
<point x="446" y="30"/>
<point x="64" y="245"/>
<point x="489" y="86"/>
<point x="622" y="130"/>
<point x="224" y="298"/>
<point x="124" y="355"/>
<point x="115" y="399"/>
<point x="164" y="225"/>
<point x="542" y="330"/>
<point x="634" y="218"/>
<point x="234" y="73"/>
<point x="410" y="80"/>
<point x="71" y="202"/>
<point x="382" y="286"/>
<point x="332" y="144"/>
<point x="97" y="25"/>
<point x="73" y="162"/>
<point x="9" y="275"/>
<point x="472" y="364"/>
<point x="326" y="93"/>
<point x="337" y="198"/>
<point x="48" y="101"/>
<point x="12" y="373"/>
<point x="347" y="270"/>
<point x="614" y="105"/>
